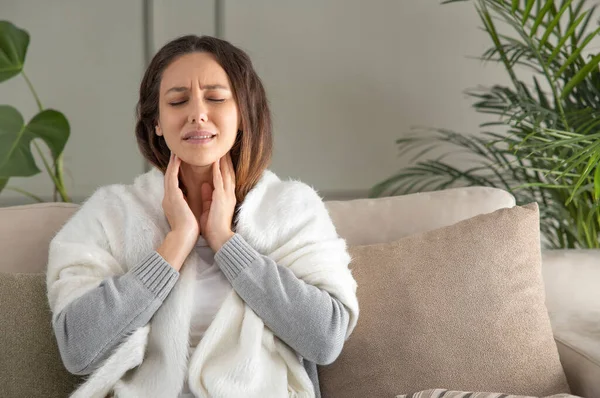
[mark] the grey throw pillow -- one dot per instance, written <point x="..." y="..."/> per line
<point x="30" y="364"/>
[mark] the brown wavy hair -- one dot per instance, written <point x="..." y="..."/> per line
<point x="252" y="150"/>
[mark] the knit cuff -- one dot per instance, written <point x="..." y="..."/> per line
<point x="235" y="256"/>
<point x="156" y="274"/>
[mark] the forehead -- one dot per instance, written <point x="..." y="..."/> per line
<point x="201" y="68"/>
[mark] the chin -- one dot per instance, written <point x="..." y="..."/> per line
<point x="199" y="160"/>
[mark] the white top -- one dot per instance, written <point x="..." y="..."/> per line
<point x="212" y="287"/>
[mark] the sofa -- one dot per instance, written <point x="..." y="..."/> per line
<point x="30" y="352"/>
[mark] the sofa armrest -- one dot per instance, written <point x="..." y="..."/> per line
<point x="572" y="282"/>
<point x="583" y="372"/>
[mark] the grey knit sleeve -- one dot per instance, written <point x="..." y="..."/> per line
<point x="91" y="327"/>
<point x="308" y="319"/>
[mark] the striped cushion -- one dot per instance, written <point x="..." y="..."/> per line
<point x="441" y="393"/>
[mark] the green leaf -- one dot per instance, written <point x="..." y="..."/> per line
<point x="13" y="48"/>
<point x="3" y="182"/>
<point x="13" y="162"/>
<point x="597" y="183"/>
<point x="591" y="163"/>
<point x="562" y="41"/>
<point x="573" y="13"/>
<point x="488" y="23"/>
<point x="16" y="159"/>
<point x="542" y="97"/>
<point x="586" y="22"/>
<point x="454" y="1"/>
<point x="576" y="54"/>
<point x="515" y="5"/>
<point x="582" y="74"/>
<point x="540" y="17"/>
<point x="53" y="127"/>
<point x="554" y="23"/>
<point x="554" y="12"/>
<point x="527" y="12"/>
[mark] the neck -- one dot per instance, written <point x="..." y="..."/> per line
<point x="192" y="178"/>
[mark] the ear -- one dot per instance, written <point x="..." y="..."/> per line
<point x="158" y="130"/>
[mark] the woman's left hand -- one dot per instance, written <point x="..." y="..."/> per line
<point x="218" y="204"/>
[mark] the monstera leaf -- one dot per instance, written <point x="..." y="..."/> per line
<point x="52" y="127"/>
<point x="16" y="159"/>
<point x="13" y="47"/>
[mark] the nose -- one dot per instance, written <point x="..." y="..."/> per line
<point x="198" y="112"/>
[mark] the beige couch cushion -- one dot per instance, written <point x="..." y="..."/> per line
<point x="25" y="233"/>
<point x="30" y="364"/>
<point x="460" y="308"/>
<point x="378" y="220"/>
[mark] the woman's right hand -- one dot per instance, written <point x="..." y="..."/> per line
<point x="184" y="225"/>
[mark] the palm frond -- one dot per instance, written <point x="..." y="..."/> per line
<point x="547" y="147"/>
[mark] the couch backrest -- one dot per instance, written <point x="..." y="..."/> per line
<point x="369" y="221"/>
<point x="25" y="231"/>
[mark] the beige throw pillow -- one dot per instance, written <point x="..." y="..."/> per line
<point x="460" y="308"/>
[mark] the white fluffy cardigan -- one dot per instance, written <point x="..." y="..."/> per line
<point x="238" y="355"/>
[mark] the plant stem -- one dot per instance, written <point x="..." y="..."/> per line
<point x="37" y="99"/>
<point x="57" y="183"/>
<point x="35" y="197"/>
<point x="60" y="176"/>
<point x="57" y="175"/>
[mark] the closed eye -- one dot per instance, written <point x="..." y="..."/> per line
<point x="218" y="100"/>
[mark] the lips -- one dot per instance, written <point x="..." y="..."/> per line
<point x="197" y="134"/>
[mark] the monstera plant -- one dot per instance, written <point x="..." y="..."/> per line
<point x="17" y="138"/>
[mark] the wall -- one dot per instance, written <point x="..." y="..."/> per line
<point x="84" y="59"/>
<point x="345" y="79"/>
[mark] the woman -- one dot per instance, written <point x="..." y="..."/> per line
<point x="208" y="276"/>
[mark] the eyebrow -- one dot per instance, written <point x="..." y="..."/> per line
<point x="180" y="89"/>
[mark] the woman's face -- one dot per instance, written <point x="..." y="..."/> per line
<point x="196" y="100"/>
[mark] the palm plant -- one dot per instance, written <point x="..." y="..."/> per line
<point x="544" y="144"/>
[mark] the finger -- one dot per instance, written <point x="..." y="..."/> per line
<point x="206" y="196"/>
<point x="174" y="174"/>
<point x="174" y="180"/>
